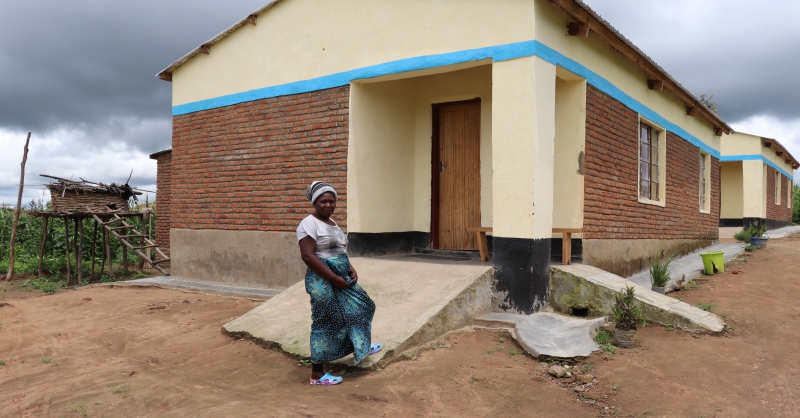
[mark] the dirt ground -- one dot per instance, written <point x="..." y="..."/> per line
<point x="146" y="352"/>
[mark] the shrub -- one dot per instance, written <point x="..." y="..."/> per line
<point x="659" y="271"/>
<point x="742" y="236"/>
<point x="627" y="313"/>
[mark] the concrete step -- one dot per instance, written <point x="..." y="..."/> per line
<point x="586" y="287"/>
<point x="417" y="300"/>
<point x="548" y="334"/>
<point x="181" y="283"/>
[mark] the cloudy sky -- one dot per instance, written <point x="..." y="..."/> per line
<point x="80" y="74"/>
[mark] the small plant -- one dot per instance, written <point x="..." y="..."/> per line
<point x="742" y="236"/>
<point x="692" y="285"/>
<point x="670" y="327"/>
<point x="616" y="387"/>
<point x="755" y="230"/>
<point x="46" y="360"/>
<point x="138" y="275"/>
<point x="120" y="390"/>
<point x="659" y="271"/>
<point x="749" y="248"/>
<point x="515" y="352"/>
<point x="604" y="339"/>
<point x="706" y="306"/>
<point x="626" y="311"/>
<point x="2" y="362"/>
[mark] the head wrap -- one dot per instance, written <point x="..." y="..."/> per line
<point x="317" y="189"/>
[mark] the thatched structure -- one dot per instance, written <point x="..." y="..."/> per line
<point x="82" y="197"/>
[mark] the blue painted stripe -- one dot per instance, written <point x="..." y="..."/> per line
<point x="756" y="157"/>
<point x="496" y="53"/>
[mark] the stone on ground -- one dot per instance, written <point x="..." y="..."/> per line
<point x="417" y="301"/>
<point x="548" y="334"/>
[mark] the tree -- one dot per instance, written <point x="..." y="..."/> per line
<point x="796" y="204"/>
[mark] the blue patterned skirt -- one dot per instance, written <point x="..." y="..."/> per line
<point x="341" y="319"/>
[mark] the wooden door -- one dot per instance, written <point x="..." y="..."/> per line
<point x="457" y="167"/>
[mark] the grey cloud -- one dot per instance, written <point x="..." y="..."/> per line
<point x="88" y="65"/>
<point x="743" y="52"/>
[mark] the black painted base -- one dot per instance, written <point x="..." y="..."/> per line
<point x="521" y="273"/>
<point x="745" y="222"/>
<point x="386" y="243"/>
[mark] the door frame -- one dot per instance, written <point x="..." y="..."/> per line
<point x="435" y="158"/>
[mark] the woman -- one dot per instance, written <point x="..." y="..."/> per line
<point x="341" y="311"/>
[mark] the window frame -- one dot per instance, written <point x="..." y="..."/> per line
<point x="777" y="187"/>
<point x="705" y="183"/>
<point x="661" y="138"/>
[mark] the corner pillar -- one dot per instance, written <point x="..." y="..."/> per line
<point x="523" y="136"/>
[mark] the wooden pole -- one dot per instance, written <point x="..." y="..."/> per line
<point x="17" y="210"/>
<point x="44" y="241"/>
<point x="94" y="242"/>
<point x="66" y="247"/>
<point x="108" y="254"/>
<point x="140" y="266"/>
<point x="103" y="253"/>
<point x="79" y="225"/>
<point x="124" y="260"/>
<point x="74" y="247"/>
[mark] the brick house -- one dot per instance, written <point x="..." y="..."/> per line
<point x="757" y="178"/>
<point x="430" y="117"/>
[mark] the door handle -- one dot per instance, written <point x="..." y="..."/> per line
<point x="441" y="166"/>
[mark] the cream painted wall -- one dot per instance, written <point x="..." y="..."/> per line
<point x="599" y="57"/>
<point x="381" y="147"/>
<point x="740" y="143"/>
<point x="523" y="136"/>
<point x="570" y="131"/>
<point x="754" y="189"/>
<point x="390" y="143"/>
<point x="731" y="190"/>
<point x="303" y="39"/>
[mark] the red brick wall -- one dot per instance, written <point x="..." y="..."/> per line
<point x="163" y="201"/>
<point x="247" y="166"/>
<point x="611" y="206"/>
<point x="778" y="212"/>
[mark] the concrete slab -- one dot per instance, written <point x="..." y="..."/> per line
<point x="587" y="287"/>
<point x="690" y="265"/>
<point x="180" y="283"/>
<point x="548" y="334"/>
<point x="417" y="301"/>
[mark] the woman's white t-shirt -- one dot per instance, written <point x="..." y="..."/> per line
<point x="331" y="241"/>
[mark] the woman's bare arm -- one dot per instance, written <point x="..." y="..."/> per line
<point x="307" y="248"/>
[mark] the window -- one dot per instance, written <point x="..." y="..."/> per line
<point x="777" y="188"/>
<point x="788" y="193"/>
<point x="651" y="164"/>
<point x="705" y="183"/>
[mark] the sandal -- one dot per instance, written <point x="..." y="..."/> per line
<point x="327" y="380"/>
<point x="374" y="348"/>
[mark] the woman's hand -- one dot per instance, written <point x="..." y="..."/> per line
<point x="353" y="276"/>
<point x="339" y="283"/>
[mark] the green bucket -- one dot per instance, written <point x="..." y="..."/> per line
<point x="713" y="259"/>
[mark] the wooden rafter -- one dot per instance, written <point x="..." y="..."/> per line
<point x="581" y="15"/>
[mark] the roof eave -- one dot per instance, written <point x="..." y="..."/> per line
<point x="712" y="117"/>
<point x="166" y="74"/>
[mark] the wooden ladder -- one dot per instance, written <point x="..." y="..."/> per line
<point x="130" y="232"/>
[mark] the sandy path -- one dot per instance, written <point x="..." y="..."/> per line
<point x="132" y="352"/>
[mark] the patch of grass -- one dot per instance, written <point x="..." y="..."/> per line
<point x="588" y="367"/>
<point x="670" y="327"/>
<point x="138" y="275"/>
<point x="46" y="360"/>
<point x="2" y="362"/>
<point x="120" y="390"/>
<point x="749" y="248"/>
<point x="616" y="387"/>
<point x="493" y="350"/>
<point x="45" y="284"/>
<point x="305" y="362"/>
<point x="728" y="328"/>
<point x="603" y="337"/>
<point x="706" y="306"/>
<point x="692" y="285"/>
